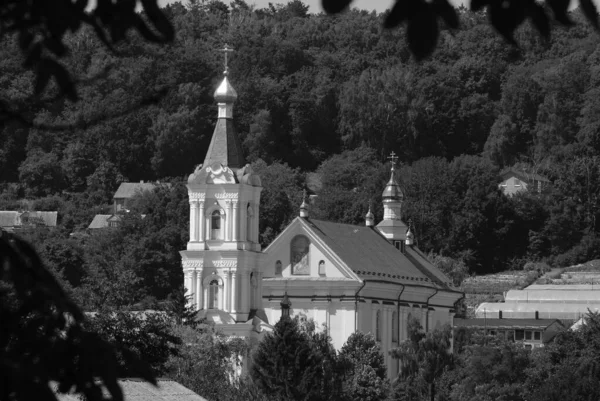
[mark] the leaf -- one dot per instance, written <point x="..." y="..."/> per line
<point x="590" y="11"/>
<point x="560" y="9"/>
<point x="447" y="12"/>
<point x="159" y="20"/>
<point x="422" y="32"/>
<point x="540" y="20"/>
<point x="506" y="16"/>
<point x="335" y="6"/>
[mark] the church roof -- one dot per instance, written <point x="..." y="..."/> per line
<point x="225" y="146"/>
<point x="372" y="257"/>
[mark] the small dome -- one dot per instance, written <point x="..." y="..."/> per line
<point x="392" y="190"/>
<point x="370" y="214"/>
<point x="225" y="92"/>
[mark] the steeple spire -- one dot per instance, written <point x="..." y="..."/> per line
<point x="392" y="226"/>
<point x="225" y="146"/>
<point x="370" y="217"/>
<point x="392" y="191"/>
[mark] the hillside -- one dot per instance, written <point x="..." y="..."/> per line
<point x="327" y="94"/>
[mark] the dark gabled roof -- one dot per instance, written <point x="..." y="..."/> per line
<point x="506" y="323"/>
<point x="129" y="189"/>
<point x="225" y="146"/>
<point x="522" y="175"/>
<point x="372" y="257"/>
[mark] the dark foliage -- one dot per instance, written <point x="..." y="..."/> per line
<point x="506" y="16"/>
<point x="144" y="336"/>
<point x="42" y="338"/>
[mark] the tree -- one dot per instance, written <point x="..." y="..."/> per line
<point x="208" y="363"/>
<point x="421" y="16"/>
<point x="43" y="338"/>
<point x="365" y="377"/>
<point x="146" y="335"/>
<point x="423" y="358"/>
<point x="42" y="29"/>
<point x="296" y="364"/>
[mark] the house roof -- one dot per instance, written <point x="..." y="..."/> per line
<point x="15" y="219"/>
<point x="49" y="218"/>
<point x="140" y="390"/>
<point x="129" y="189"/>
<point x="372" y="257"/>
<point x="9" y="219"/>
<point x="100" y="221"/>
<point x="522" y="175"/>
<point x="506" y="323"/>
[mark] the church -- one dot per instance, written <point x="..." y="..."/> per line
<point x="369" y="278"/>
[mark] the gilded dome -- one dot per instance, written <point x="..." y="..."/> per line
<point x="392" y="190"/>
<point x="225" y="92"/>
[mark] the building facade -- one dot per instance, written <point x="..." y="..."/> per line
<point x="347" y="278"/>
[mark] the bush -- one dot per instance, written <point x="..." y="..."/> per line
<point x="587" y="249"/>
<point x="540" y="267"/>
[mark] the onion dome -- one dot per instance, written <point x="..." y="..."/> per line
<point x="225" y="92"/>
<point x="370" y="218"/>
<point x="392" y="191"/>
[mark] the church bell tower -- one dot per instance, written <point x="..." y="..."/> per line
<point x="221" y="261"/>
<point x="392" y="227"/>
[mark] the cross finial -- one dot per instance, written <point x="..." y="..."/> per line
<point x="225" y="50"/>
<point x="392" y="157"/>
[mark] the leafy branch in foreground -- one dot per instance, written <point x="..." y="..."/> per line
<point x="41" y="26"/>
<point x="505" y="16"/>
<point x="43" y="346"/>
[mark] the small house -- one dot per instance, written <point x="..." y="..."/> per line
<point x="514" y="181"/>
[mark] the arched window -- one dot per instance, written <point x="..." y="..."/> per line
<point x="395" y="327"/>
<point x="322" y="268"/>
<point x="378" y="326"/>
<point x="278" y="268"/>
<point x="215" y="225"/>
<point x="299" y="255"/>
<point x="213" y="294"/>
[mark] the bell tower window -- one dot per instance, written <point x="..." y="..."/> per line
<point x="215" y="225"/>
<point x="213" y="294"/>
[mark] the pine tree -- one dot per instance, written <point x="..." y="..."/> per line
<point x="295" y="364"/>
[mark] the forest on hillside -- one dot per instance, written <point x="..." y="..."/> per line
<point x="317" y="93"/>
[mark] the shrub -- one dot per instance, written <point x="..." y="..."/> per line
<point x="587" y="249"/>
<point x="540" y="267"/>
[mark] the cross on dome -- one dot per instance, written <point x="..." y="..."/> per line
<point x="393" y="158"/>
<point x="225" y="50"/>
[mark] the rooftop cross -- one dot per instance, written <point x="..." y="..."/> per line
<point x="226" y="49"/>
<point x="392" y="157"/>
